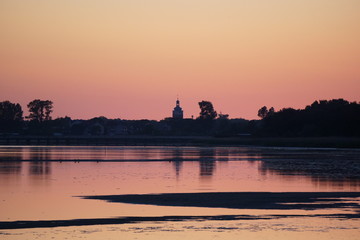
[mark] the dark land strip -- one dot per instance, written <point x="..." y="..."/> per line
<point x="242" y="200"/>
<point x="128" y="220"/>
<point x="233" y="200"/>
<point x="135" y="140"/>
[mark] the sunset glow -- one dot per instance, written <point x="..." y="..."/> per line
<point x="131" y="59"/>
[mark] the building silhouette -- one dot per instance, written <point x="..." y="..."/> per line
<point x="178" y="112"/>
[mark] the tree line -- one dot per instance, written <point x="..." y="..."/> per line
<point x="336" y="117"/>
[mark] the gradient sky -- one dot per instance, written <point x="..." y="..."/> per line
<point x="130" y="58"/>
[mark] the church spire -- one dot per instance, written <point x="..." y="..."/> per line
<point x="178" y="112"/>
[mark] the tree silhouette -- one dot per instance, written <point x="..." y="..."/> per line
<point x="336" y="117"/>
<point x="271" y="111"/>
<point x="10" y="111"/>
<point x="207" y="111"/>
<point x="11" y="116"/>
<point x="40" y="110"/>
<point x="264" y="112"/>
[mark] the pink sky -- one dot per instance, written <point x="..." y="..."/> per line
<point x="131" y="59"/>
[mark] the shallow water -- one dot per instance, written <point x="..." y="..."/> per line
<point x="42" y="183"/>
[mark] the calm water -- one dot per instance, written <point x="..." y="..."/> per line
<point x="44" y="183"/>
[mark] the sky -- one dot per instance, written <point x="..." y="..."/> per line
<point x="131" y="59"/>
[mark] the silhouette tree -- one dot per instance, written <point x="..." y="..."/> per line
<point x="40" y="110"/>
<point x="271" y="112"/>
<point x="207" y="111"/>
<point x="11" y="116"/>
<point x="10" y="111"/>
<point x="264" y="112"/>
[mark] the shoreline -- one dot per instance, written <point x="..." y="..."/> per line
<point x="196" y="141"/>
<point x="240" y="200"/>
<point x="234" y="200"/>
<point x="12" y="225"/>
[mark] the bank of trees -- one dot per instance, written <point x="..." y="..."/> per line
<point x="11" y="115"/>
<point x="336" y="117"/>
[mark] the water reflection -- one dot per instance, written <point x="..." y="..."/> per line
<point x="207" y="162"/>
<point x="143" y="170"/>
<point x="176" y="156"/>
<point x="40" y="168"/>
<point x="207" y="168"/>
<point x="103" y="153"/>
<point x="205" y="156"/>
<point x="324" y="167"/>
<point x="40" y="154"/>
<point x="352" y="185"/>
<point x="177" y="166"/>
<point x="11" y="167"/>
<point x="323" y="172"/>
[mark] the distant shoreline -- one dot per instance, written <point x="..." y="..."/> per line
<point x="316" y="142"/>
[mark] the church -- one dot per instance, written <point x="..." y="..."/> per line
<point x="178" y="112"/>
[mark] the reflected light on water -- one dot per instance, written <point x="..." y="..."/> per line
<point x="33" y="188"/>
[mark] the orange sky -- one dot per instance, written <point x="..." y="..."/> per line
<point x="130" y="59"/>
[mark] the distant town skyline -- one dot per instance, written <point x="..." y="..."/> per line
<point x="130" y="59"/>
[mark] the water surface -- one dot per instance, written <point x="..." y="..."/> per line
<point x="46" y="183"/>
